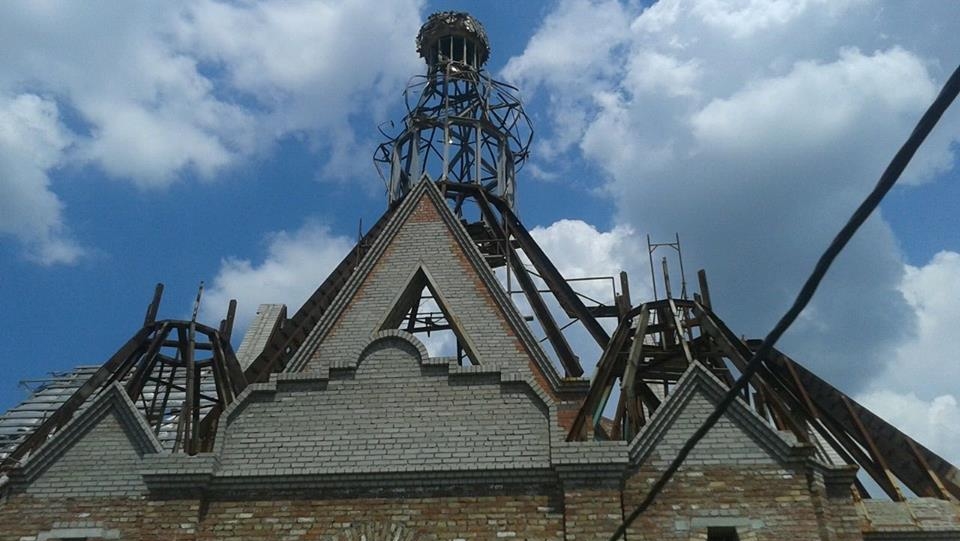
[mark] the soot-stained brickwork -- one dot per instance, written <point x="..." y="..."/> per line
<point x="364" y="436"/>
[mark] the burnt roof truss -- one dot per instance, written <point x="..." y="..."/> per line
<point x="180" y="374"/>
<point x="657" y="341"/>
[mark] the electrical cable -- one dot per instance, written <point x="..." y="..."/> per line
<point x="887" y="180"/>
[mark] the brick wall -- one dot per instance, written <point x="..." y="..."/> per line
<point x="25" y="517"/>
<point x="478" y="306"/>
<point x="393" y="414"/>
<point x="490" y="514"/>
<point x="768" y="503"/>
<point x="102" y="462"/>
<point x="592" y="509"/>
<point x="742" y="474"/>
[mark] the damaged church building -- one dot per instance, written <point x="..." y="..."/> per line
<point x="333" y="422"/>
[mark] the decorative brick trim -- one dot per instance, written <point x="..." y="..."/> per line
<point x="77" y="533"/>
<point x="349" y="290"/>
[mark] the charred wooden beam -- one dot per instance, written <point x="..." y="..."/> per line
<point x="567" y="357"/>
<point x="630" y="386"/>
<point x="785" y="404"/>
<point x="610" y="363"/>
<point x="898" y="450"/>
<point x="285" y="340"/>
<point x="154" y="306"/>
<point x="564" y="293"/>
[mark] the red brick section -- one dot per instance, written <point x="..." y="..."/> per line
<point x="785" y="505"/>
<point x="778" y="504"/>
<point x="426" y="211"/>
<point x="503" y="516"/>
<point x="24" y="517"/>
<point x="567" y="413"/>
<point x="592" y="511"/>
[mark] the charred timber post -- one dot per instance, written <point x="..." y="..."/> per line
<point x="154" y="305"/>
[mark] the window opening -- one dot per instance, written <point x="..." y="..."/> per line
<point x="722" y="533"/>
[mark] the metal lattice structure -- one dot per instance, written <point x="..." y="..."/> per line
<point x="461" y="126"/>
<point x="469" y="133"/>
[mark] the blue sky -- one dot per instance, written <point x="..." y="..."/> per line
<point x="232" y="143"/>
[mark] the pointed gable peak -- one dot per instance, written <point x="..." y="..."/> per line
<point x="695" y="396"/>
<point x="410" y="302"/>
<point x="111" y="401"/>
<point x="425" y="254"/>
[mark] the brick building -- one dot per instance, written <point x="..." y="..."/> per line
<point x="337" y="424"/>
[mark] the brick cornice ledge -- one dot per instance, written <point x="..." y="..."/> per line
<point x="590" y="460"/>
<point x="183" y="475"/>
<point x="178" y="473"/>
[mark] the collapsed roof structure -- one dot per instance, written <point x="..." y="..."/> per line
<point x="339" y="412"/>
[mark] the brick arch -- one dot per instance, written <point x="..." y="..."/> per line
<point x="364" y="531"/>
<point x="393" y="334"/>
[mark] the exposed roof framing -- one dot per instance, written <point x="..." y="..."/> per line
<point x="655" y="344"/>
<point x="179" y="374"/>
<point x="288" y="338"/>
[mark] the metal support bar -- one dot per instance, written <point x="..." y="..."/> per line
<point x="568" y="299"/>
<point x="568" y="358"/>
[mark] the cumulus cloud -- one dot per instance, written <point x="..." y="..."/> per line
<point x="152" y="93"/>
<point x="917" y="391"/>
<point x="855" y="86"/>
<point x="32" y="141"/>
<point x="550" y="59"/>
<point x="144" y="112"/>
<point x="753" y="129"/>
<point x="580" y="250"/>
<point x="294" y="265"/>
<point x="310" y="66"/>
<point x="933" y="422"/>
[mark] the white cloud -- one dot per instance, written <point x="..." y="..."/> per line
<point x="151" y="93"/>
<point x="932" y="422"/>
<point x="656" y="72"/>
<point x="143" y="111"/>
<point x="580" y="250"/>
<point x="753" y="129"/>
<point x="856" y="87"/>
<point x="295" y="265"/>
<point x="745" y="18"/>
<point x="917" y="390"/>
<point x="563" y="49"/>
<point x="32" y="140"/>
<point x="310" y="65"/>
<point x="562" y="54"/>
<point x="932" y="292"/>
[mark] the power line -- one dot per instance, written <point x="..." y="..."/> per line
<point x="886" y="182"/>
